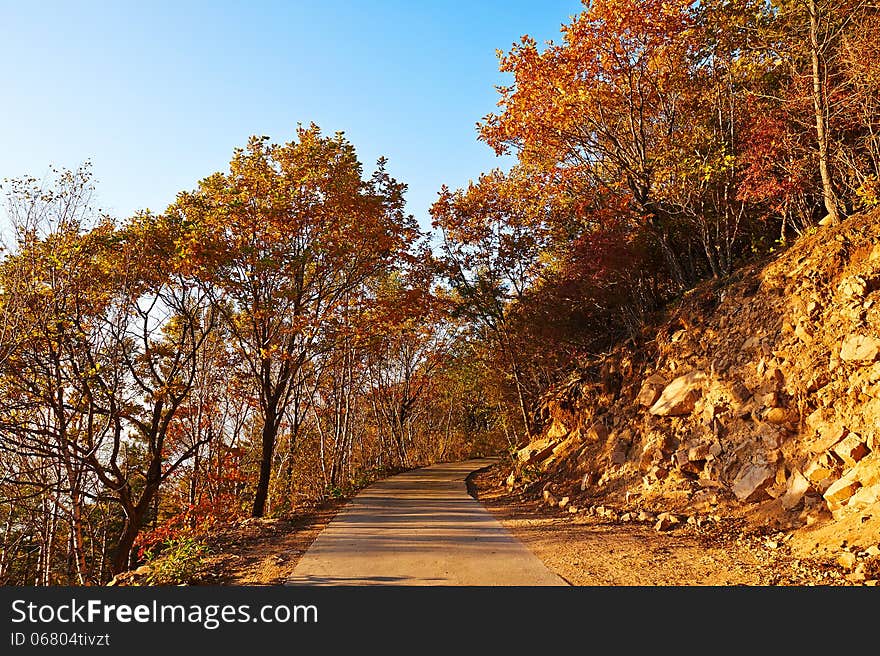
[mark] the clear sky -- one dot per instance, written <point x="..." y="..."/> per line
<point x="157" y="94"/>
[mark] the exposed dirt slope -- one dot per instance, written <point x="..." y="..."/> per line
<point x="252" y="551"/>
<point x="752" y="408"/>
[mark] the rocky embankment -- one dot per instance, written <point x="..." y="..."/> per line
<point x="756" y="397"/>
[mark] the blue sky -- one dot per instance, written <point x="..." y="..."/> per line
<point x="157" y="94"/>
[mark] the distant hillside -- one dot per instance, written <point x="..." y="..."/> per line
<point x="757" y="396"/>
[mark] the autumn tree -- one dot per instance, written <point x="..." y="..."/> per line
<point x="823" y="94"/>
<point x="409" y="345"/>
<point x="283" y="237"/>
<point x="493" y="236"/>
<point x="644" y="101"/>
<point x="110" y="331"/>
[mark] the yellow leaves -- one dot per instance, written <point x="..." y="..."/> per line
<point x="868" y="192"/>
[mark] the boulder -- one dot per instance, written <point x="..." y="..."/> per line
<point x="841" y="490"/>
<point x="795" y="489"/>
<point x="864" y="497"/>
<point x="778" y="416"/>
<point x="821" y="471"/>
<point x="650" y="390"/>
<point x="829" y="435"/>
<point x="860" y="349"/>
<point x="666" y="521"/>
<point x="680" y="396"/>
<point x="851" y="449"/>
<point x="752" y="481"/>
<point x="536" y="450"/>
<point x="867" y="471"/>
<point x="699" y="452"/>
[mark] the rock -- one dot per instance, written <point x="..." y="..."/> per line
<point x="557" y="430"/>
<point x="803" y="333"/>
<point x="657" y="473"/>
<point x="563" y="450"/>
<point x="858" y="575"/>
<point x="645" y="516"/>
<point x="867" y="471"/>
<point x="817" y="418"/>
<point x="860" y="348"/>
<point x="597" y="432"/>
<point x="853" y="288"/>
<point x="650" y="390"/>
<point x="666" y="521"/>
<point x="588" y="479"/>
<point x="699" y="452"/>
<point x="739" y="393"/>
<point x="796" y="488"/>
<point x="563" y="502"/>
<point x="779" y="416"/>
<point x="829" y="435"/>
<point x="536" y="450"/>
<point x="851" y="449"/>
<point x="776" y="377"/>
<point x="549" y="499"/>
<point x="821" y="470"/>
<point x="680" y="458"/>
<point x="573" y="509"/>
<point x="752" y="480"/>
<point x="680" y="396"/>
<point x="864" y="497"/>
<point x="818" y="379"/>
<point x="511" y="481"/>
<point x="841" y="490"/>
<point x="626" y="517"/>
<point x="847" y="560"/>
<point x="703" y="500"/>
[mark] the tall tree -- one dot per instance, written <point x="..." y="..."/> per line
<point x="283" y="237"/>
<point x="494" y="235"/>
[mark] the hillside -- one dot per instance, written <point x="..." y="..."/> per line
<point x="752" y="404"/>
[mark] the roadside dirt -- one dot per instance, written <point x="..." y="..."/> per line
<point x="247" y="552"/>
<point x="265" y="551"/>
<point x="588" y="550"/>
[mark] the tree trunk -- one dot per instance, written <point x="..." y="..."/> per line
<point x="269" y="433"/>
<point x="820" y="106"/>
<point x="125" y="543"/>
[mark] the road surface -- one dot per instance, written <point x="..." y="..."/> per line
<point x="420" y="528"/>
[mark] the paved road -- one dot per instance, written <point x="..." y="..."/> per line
<point x="420" y="528"/>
